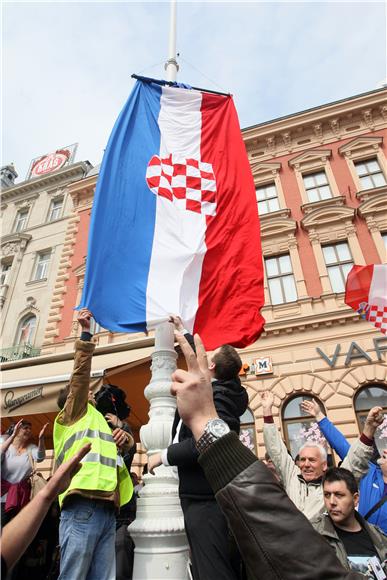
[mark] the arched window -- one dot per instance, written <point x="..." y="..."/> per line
<point x="247" y="432"/>
<point x="26" y="330"/>
<point x="298" y="425"/>
<point x="373" y="395"/>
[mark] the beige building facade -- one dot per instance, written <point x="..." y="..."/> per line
<point x="34" y="223"/>
<point x="321" y="184"/>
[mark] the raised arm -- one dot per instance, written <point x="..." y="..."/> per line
<point x="78" y="395"/>
<point x="334" y="437"/>
<point x="21" y="530"/>
<point x="361" y="451"/>
<point x="275" y="447"/>
<point x="5" y="446"/>
<point x="41" y="449"/>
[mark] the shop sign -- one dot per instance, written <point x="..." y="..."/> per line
<point x="51" y="161"/>
<point x="10" y="402"/>
<point x="354" y="352"/>
<point x="263" y="366"/>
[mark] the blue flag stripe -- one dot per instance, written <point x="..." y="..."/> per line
<point x="123" y="217"/>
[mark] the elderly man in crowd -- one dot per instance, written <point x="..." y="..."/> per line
<point x="357" y="544"/>
<point x="303" y="484"/>
<point x="373" y="486"/>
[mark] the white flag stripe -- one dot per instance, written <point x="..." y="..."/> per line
<point x="378" y="288"/>
<point x="179" y="237"/>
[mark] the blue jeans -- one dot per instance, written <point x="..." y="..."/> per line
<point x="87" y="532"/>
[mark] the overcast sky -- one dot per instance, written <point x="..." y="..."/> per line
<point x="67" y="66"/>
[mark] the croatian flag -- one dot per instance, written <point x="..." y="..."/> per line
<point x="174" y="226"/>
<point x="366" y="293"/>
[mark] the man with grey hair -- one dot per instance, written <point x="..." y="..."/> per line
<point x="303" y="483"/>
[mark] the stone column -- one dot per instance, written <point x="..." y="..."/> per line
<point x="158" y="531"/>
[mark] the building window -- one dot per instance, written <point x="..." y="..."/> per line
<point x="55" y="209"/>
<point x="384" y="238"/>
<point x="21" y="220"/>
<point x="339" y="261"/>
<point x="317" y="186"/>
<point x="370" y="174"/>
<point x="300" y="427"/>
<point x="4" y="275"/>
<point x="374" y="395"/>
<point x="26" y="330"/>
<point x="267" y="198"/>
<point x="42" y="264"/>
<point x="280" y="279"/>
<point x="247" y="431"/>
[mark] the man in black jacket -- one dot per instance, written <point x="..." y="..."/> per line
<point x="205" y="525"/>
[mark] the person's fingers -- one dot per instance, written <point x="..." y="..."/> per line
<point x="189" y="354"/>
<point x="180" y="376"/>
<point x="201" y="355"/>
<point x="179" y="379"/>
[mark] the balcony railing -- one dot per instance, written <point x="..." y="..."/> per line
<point x="18" y="352"/>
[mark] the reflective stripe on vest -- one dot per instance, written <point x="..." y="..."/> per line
<point x="90" y="433"/>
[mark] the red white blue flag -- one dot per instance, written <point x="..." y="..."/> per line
<point x="174" y="226"/>
<point x="366" y="293"/>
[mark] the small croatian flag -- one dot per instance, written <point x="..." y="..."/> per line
<point x="174" y="226"/>
<point x="366" y="293"/>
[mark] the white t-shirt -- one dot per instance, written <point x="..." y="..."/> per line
<point x="15" y="467"/>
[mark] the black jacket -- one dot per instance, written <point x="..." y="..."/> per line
<point x="231" y="401"/>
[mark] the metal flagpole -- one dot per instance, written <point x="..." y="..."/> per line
<point x="171" y="65"/>
<point x="161" y="547"/>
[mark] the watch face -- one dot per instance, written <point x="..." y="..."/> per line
<point x="218" y="427"/>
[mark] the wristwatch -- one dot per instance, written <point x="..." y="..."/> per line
<point x="214" y="430"/>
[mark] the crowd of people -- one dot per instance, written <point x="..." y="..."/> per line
<point x="280" y="518"/>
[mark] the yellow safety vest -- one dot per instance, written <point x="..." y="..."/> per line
<point x="99" y="466"/>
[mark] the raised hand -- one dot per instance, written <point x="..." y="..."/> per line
<point x="374" y="419"/>
<point x="267" y="400"/>
<point x="178" y="323"/>
<point x="84" y="317"/>
<point x="42" y="431"/>
<point x="312" y="408"/>
<point x="193" y="389"/>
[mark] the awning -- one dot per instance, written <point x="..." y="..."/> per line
<point x="29" y="390"/>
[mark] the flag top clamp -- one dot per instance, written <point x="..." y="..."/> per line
<point x="366" y="293"/>
<point x="174" y="226"/>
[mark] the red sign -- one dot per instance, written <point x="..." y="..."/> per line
<point x="48" y="164"/>
<point x="51" y="162"/>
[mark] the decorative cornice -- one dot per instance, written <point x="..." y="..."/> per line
<point x="26" y="201"/>
<point x="309" y="129"/>
<point x="277" y="223"/>
<point x="312" y="206"/>
<point x="375" y="202"/>
<point x="13" y="243"/>
<point x="323" y="216"/>
<point x="70" y="172"/>
<point x="360" y="143"/>
<point x="260" y="168"/>
<point x="310" y="155"/>
<point x="327" y="112"/>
